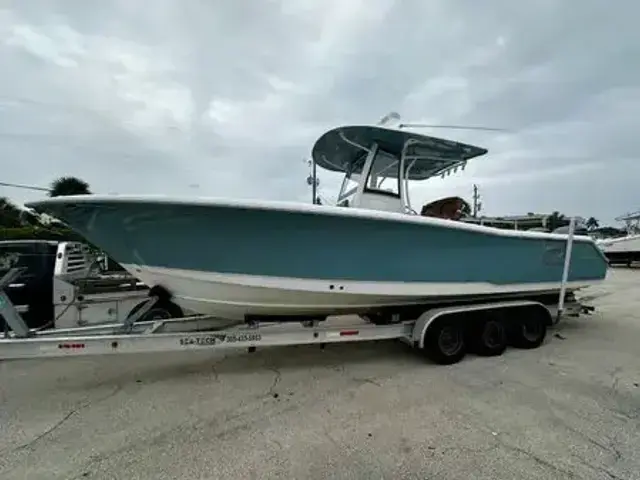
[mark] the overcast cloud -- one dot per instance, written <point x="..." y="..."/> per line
<point x="225" y="98"/>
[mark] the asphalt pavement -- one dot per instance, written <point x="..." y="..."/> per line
<point x="569" y="409"/>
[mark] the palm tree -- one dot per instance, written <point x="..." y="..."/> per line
<point x="65" y="186"/>
<point x="556" y="220"/>
<point x="592" y="223"/>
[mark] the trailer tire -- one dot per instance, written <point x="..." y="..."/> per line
<point x="530" y="331"/>
<point x="489" y="338"/>
<point x="445" y="342"/>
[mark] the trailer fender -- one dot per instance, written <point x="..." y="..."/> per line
<point x="428" y="317"/>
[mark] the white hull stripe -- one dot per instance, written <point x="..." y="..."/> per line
<point x="182" y="278"/>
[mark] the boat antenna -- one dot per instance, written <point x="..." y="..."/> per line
<point x="458" y="127"/>
<point x="394" y="117"/>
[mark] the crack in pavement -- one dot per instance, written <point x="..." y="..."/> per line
<point x="214" y="368"/>
<point x="500" y="441"/>
<point x="599" y="468"/>
<point x="615" y="378"/>
<point x="228" y="422"/>
<point x="362" y="381"/>
<point x="610" y="449"/>
<point x="63" y="420"/>
<point x="536" y="458"/>
<point x="276" y="380"/>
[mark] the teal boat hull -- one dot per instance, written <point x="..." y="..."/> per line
<point x="242" y="258"/>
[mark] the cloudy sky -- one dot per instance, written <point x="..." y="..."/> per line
<point x="222" y="98"/>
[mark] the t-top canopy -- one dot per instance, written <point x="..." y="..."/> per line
<point x="344" y="149"/>
<point x="629" y="217"/>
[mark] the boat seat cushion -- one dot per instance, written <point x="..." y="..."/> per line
<point x="451" y="208"/>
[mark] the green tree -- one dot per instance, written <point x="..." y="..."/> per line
<point x="592" y="223"/>
<point x="65" y="186"/>
<point x="10" y="214"/>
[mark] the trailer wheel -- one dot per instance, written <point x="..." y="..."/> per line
<point x="161" y="310"/>
<point x="530" y="331"/>
<point x="490" y="339"/>
<point x="444" y="341"/>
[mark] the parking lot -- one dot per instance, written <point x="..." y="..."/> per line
<point x="569" y="409"/>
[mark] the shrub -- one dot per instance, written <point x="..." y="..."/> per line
<point x="40" y="233"/>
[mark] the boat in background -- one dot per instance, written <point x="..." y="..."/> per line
<point x="623" y="250"/>
<point x="370" y="254"/>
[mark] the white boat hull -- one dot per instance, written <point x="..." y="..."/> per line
<point x="621" y="250"/>
<point x="235" y="296"/>
<point x="630" y="243"/>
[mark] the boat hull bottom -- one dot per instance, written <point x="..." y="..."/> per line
<point x="237" y="297"/>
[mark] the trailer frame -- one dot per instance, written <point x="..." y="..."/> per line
<point x="204" y="333"/>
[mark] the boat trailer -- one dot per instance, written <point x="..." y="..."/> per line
<point x="443" y="334"/>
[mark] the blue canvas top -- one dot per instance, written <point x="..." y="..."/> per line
<point x="332" y="152"/>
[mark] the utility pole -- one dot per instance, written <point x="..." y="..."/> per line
<point x="477" y="205"/>
<point x="313" y="181"/>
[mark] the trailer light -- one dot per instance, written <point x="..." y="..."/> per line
<point x="349" y="333"/>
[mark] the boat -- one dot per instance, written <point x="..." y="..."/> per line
<point x="626" y="249"/>
<point x="370" y="254"/>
